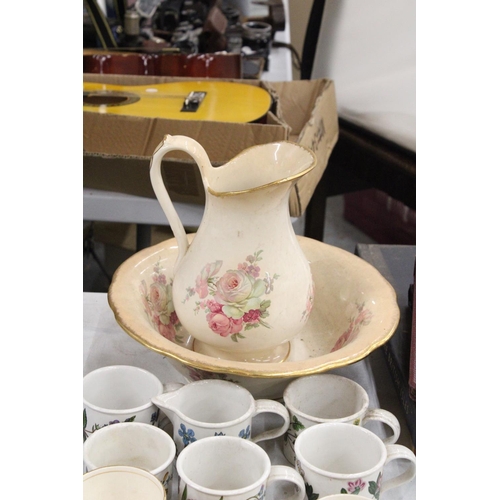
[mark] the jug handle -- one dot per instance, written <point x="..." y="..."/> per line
<point x="196" y="151"/>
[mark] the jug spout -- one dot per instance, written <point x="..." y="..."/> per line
<point x="167" y="402"/>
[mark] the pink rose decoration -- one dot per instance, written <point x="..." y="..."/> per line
<point x="355" y="486"/>
<point x="252" y="316"/>
<point x="222" y="325"/>
<point x="209" y="271"/>
<point x="233" y="287"/>
<point x="158" y="295"/>
<point x="343" y="339"/>
<point x="364" y="317"/>
<point x="167" y="331"/>
<point x="214" y="307"/>
<point x="201" y="287"/>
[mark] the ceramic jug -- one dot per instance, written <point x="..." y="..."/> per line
<point x="218" y="408"/>
<point x="242" y="288"/>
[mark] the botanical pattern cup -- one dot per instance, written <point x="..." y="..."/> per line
<point x="229" y="468"/>
<point x="340" y="458"/>
<point x="134" y="444"/>
<point x="123" y="482"/>
<point x="119" y="393"/>
<point x="326" y="397"/>
<point x="217" y="408"/>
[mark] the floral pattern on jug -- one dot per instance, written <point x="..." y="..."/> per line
<point x="189" y="435"/>
<point x="362" y="317"/>
<point x="309" y="304"/>
<point x="159" y="306"/>
<point x="237" y="304"/>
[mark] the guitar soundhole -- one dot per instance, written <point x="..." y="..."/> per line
<point x="108" y="98"/>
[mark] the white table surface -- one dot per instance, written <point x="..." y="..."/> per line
<point x="105" y="343"/>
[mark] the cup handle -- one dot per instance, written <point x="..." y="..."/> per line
<point x="286" y="473"/>
<point x="270" y="406"/>
<point x="397" y="452"/>
<point x="386" y="417"/>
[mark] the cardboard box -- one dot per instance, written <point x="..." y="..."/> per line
<point x="118" y="149"/>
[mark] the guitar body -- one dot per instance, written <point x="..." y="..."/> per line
<point x="197" y="100"/>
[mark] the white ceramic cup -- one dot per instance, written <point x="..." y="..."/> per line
<point x="119" y="393"/>
<point x="327" y="397"/>
<point x="121" y="483"/>
<point x="217" y="408"/>
<point x="135" y="444"/>
<point x="335" y="458"/>
<point x="233" y="469"/>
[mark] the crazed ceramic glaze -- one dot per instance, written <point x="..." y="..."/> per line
<point x="242" y="286"/>
<point x="355" y="312"/>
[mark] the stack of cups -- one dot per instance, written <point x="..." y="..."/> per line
<point x="329" y="445"/>
<point x="122" y="443"/>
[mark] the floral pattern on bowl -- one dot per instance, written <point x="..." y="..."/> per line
<point x="363" y="318"/>
<point x="159" y="306"/>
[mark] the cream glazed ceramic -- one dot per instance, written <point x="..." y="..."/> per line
<point x="122" y="482"/>
<point x="355" y="312"/>
<point x="242" y="287"/>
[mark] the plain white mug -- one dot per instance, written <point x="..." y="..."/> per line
<point x="326" y="397"/>
<point x="119" y="393"/>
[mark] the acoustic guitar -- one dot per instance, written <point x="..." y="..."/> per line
<point x="194" y="100"/>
